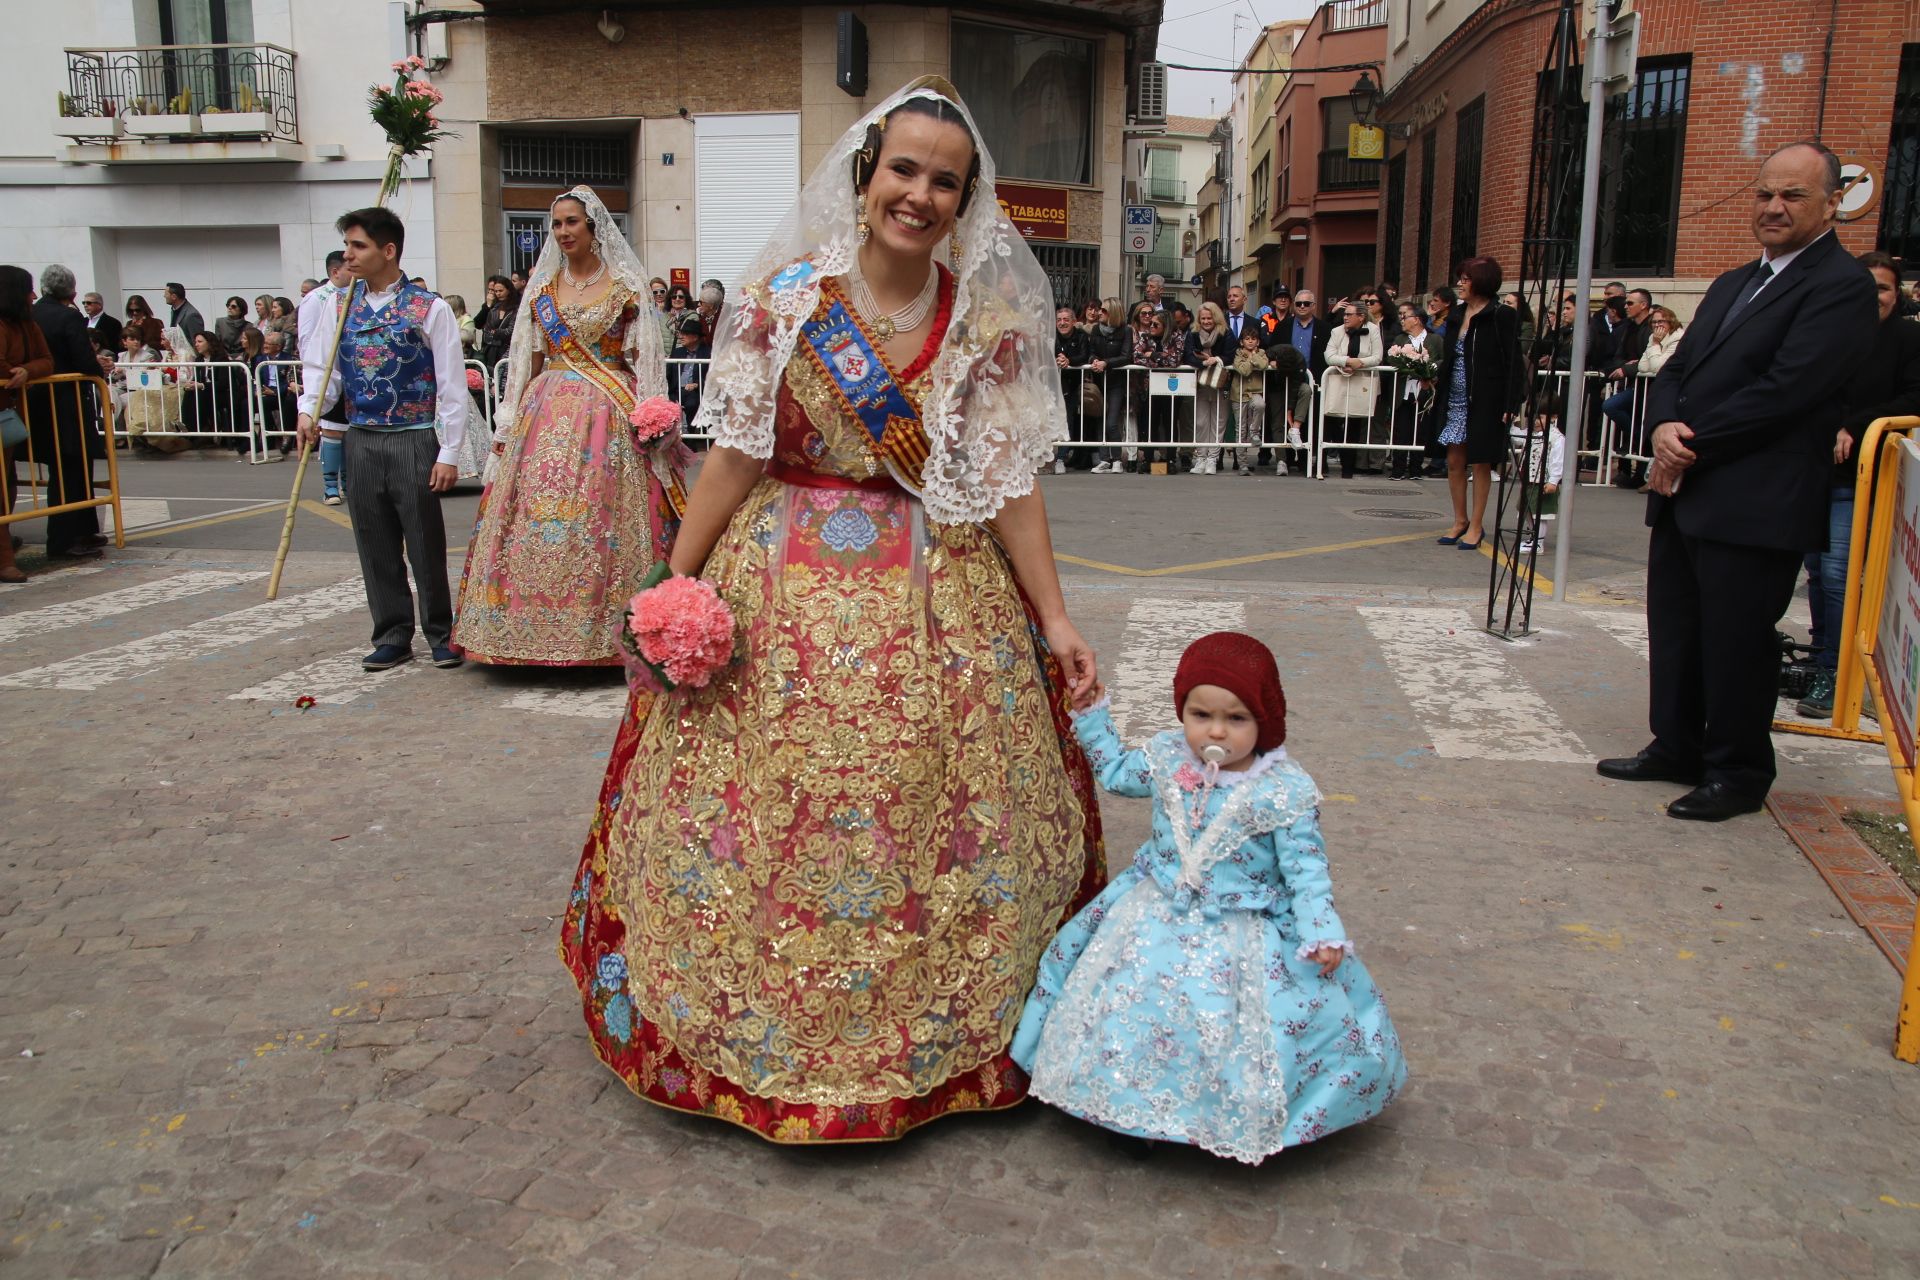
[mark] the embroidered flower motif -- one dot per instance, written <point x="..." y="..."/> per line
<point x="612" y="971"/>
<point x="674" y="1081"/>
<point x="793" y="1129"/>
<point x="618" y="1019"/>
<point x="849" y="530"/>
<point x="727" y="1107"/>
<point x="725" y="844"/>
<point x="1189" y="778"/>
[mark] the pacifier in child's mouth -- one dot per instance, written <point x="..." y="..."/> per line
<point x="1214" y="755"/>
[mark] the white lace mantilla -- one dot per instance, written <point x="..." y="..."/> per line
<point x="993" y="408"/>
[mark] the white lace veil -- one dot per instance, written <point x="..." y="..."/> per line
<point x="642" y="345"/>
<point x="994" y="409"/>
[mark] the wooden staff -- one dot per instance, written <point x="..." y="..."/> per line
<point x="306" y="451"/>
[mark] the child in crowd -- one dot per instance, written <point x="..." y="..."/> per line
<point x="1210" y="995"/>
<point x="1249" y="400"/>
<point x="1546" y="462"/>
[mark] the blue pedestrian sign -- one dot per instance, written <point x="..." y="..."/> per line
<point x="528" y="241"/>
<point x="1141" y="229"/>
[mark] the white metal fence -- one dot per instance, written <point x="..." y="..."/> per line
<point x="1118" y="416"/>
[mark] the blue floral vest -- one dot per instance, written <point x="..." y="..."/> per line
<point x="386" y="362"/>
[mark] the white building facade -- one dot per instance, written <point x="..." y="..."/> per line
<point x="187" y="140"/>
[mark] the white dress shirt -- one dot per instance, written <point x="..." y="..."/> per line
<point x="1785" y="260"/>
<point x="321" y="387"/>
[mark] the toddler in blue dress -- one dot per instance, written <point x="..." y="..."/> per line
<point x="1210" y="994"/>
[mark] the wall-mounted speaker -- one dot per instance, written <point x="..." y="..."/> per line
<point x="850" y="61"/>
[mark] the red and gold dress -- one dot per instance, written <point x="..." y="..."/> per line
<point x="816" y="892"/>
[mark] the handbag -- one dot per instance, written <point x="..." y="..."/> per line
<point x="13" y="428"/>
<point x="1214" y="376"/>
<point x="1093" y="400"/>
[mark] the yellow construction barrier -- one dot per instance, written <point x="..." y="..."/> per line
<point x="88" y="413"/>
<point x="1882" y="638"/>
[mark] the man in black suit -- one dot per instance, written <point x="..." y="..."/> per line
<point x="102" y="327"/>
<point x="1746" y="410"/>
<point x="62" y="420"/>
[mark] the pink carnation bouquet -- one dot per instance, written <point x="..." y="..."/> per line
<point x="679" y="632"/>
<point x="655" y="418"/>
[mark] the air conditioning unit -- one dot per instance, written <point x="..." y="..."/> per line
<point x="1151" y="106"/>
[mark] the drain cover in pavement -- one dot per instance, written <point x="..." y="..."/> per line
<point x="1396" y="513"/>
<point x="1383" y="493"/>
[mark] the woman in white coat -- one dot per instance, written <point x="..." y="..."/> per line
<point x="1347" y="388"/>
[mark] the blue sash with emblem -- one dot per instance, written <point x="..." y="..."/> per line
<point x="865" y="386"/>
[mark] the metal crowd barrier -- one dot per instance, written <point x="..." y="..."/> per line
<point x="64" y="467"/>
<point x="1607" y="443"/>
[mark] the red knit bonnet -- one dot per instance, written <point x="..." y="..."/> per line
<point x="1243" y="667"/>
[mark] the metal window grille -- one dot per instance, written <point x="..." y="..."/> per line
<point x="1640" y="169"/>
<point x="1640" y="158"/>
<point x="1423" y="269"/>
<point x="563" y="159"/>
<point x="1396" y="218"/>
<point x="1469" y="129"/>
<point x="1073" y="271"/>
<point x="526" y="232"/>
<point x="1900" y="200"/>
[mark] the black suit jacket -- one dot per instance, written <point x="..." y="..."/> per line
<point x="105" y="333"/>
<point x="1763" y="396"/>
<point x="1322" y="331"/>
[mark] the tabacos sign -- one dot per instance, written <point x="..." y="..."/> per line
<point x="1038" y="213"/>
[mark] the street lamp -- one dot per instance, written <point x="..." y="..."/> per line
<point x="1366" y="98"/>
<point x="1366" y="101"/>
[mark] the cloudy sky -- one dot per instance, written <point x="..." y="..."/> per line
<point x="1214" y="33"/>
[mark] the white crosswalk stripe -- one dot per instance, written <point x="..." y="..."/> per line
<point x="1158" y="632"/>
<point x="333" y="681"/>
<point x="587" y="704"/>
<point x="1626" y="626"/>
<point x="1468" y="697"/>
<point x="136" y="657"/>
<point x="75" y="613"/>
<point x="49" y="579"/>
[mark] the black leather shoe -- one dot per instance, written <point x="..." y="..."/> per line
<point x="1646" y="768"/>
<point x="1715" y="802"/>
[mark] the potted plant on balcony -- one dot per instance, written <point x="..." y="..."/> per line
<point x="176" y="120"/>
<point x="76" y="121"/>
<point x="247" y="117"/>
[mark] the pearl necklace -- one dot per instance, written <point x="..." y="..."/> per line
<point x="583" y="285"/>
<point x="904" y="320"/>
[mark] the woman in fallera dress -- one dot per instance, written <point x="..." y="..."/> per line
<point x="817" y="890"/>
<point x="575" y="513"/>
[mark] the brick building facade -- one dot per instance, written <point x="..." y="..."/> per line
<point x="1719" y="85"/>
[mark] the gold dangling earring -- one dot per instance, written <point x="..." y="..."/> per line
<point x="954" y="249"/>
<point x="861" y="226"/>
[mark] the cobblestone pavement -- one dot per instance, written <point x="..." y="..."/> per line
<point x="290" y="986"/>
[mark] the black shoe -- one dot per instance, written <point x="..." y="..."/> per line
<point x="78" y="552"/>
<point x="386" y="657"/>
<point x="446" y="657"/>
<point x="1646" y="768"/>
<point x="1715" y="802"/>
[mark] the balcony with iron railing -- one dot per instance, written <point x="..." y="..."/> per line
<point x="1172" y="267"/>
<point x="1351" y="15"/>
<point x="1164" y="190"/>
<point x="164" y="94"/>
<point x="1338" y="172"/>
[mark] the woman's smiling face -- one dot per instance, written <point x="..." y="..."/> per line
<point x="917" y="184"/>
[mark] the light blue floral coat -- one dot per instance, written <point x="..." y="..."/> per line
<point x="1179" y="1004"/>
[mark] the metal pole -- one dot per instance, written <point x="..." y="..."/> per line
<point x="1574" y="421"/>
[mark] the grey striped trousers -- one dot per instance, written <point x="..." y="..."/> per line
<point x="397" y="522"/>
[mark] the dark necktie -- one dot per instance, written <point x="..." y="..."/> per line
<point x="1760" y="278"/>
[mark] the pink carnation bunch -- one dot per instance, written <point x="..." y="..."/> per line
<point x="653" y="418"/>
<point x="474" y="380"/>
<point x="680" y="630"/>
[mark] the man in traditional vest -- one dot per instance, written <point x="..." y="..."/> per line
<point x="399" y="370"/>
